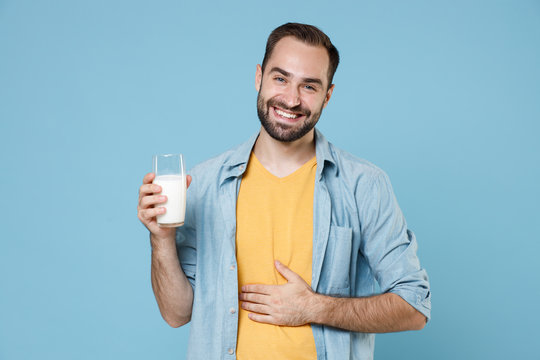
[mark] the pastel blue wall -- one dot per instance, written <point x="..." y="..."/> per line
<point x="444" y="96"/>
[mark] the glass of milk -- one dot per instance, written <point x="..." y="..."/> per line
<point x="171" y="176"/>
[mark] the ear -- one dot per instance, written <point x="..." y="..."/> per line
<point x="258" y="78"/>
<point x="328" y="95"/>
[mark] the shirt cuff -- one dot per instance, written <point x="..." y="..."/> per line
<point x="420" y="302"/>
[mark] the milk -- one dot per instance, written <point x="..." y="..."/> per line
<point x="174" y="187"/>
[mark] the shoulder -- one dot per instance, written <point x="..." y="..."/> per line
<point x="212" y="171"/>
<point x="355" y="169"/>
<point x="212" y="165"/>
<point x="365" y="182"/>
<point x="346" y="166"/>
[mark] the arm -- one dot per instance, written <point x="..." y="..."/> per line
<point x="375" y="314"/>
<point x="390" y="248"/>
<point x="172" y="289"/>
<point x="295" y="304"/>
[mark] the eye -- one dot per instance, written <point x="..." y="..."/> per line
<point x="279" y="79"/>
<point x="309" y="87"/>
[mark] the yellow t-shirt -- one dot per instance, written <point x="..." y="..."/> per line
<point x="274" y="222"/>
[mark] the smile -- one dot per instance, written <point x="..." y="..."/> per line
<point x="285" y="114"/>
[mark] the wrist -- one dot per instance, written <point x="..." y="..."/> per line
<point x="317" y="309"/>
<point x="162" y="244"/>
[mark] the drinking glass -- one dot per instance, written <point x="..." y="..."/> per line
<point x="171" y="176"/>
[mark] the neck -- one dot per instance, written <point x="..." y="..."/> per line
<point x="283" y="158"/>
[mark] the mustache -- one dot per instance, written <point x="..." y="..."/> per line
<point x="299" y="109"/>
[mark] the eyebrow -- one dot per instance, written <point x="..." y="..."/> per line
<point x="288" y="74"/>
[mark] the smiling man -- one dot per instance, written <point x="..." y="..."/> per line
<point x="286" y="236"/>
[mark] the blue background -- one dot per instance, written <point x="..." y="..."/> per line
<point x="444" y="96"/>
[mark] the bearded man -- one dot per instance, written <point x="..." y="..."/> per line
<point x="286" y="237"/>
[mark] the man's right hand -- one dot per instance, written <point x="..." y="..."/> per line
<point x="148" y="209"/>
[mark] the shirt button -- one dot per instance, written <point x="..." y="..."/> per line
<point x="230" y="351"/>
<point x="232" y="267"/>
<point x="232" y="310"/>
<point x="241" y="167"/>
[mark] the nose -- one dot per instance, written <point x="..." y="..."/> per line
<point x="292" y="96"/>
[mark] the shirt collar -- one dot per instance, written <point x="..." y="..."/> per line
<point x="324" y="155"/>
<point x="236" y="164"/>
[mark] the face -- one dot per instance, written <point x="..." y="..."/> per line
<point x="293" y="89"/>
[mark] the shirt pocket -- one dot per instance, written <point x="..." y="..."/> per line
<point x="337" y="261"/>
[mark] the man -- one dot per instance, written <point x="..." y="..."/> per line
<point x="286" y="236"/>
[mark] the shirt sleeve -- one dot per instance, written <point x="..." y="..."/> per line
<point x="390" y="248"/>
<point x="186" y="236"/>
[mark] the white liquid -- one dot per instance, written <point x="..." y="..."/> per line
<point x="174" y="187"/>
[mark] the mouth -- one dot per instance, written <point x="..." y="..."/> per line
<point x="286" y="115"/>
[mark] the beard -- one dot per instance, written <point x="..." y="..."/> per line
<point x="285" y="132"/>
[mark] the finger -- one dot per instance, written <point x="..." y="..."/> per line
<point x="149" y="189"/>
<point x="148" y="178"/>
<point x="286" y="272"/>
<point x="254" y="298"/>
<point x="258" y="308"/>
<point x="266" y="319"/>
<point x="148" y="214"/>
<point x="146" y="201"/>
<point x="257" y="288"/>
<point x="188" y="179"/>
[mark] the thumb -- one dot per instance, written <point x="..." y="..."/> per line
<point x="285" y="271"/>
<point x="188" y="180"/>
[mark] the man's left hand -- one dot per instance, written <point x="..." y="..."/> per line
<point x="288" y="304"/>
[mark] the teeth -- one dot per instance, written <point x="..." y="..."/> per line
<point x="287" y="115"/>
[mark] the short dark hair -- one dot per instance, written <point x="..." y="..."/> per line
<point x="310" y="35"/>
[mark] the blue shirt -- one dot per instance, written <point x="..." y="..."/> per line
<point x="360" y="238"/>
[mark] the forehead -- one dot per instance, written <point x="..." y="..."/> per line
<point x="300" y="59"/>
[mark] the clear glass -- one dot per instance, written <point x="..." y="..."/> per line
<point x="171" y="176"/>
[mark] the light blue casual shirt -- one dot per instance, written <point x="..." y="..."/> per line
<point x="360" y="238"/>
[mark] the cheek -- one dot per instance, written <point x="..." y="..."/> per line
<point x="269" y="92"/>
<point x="315" y="103"/>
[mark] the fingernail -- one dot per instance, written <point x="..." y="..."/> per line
<point x="161" y="210"/>
<point x="157" y="188"/>
<point x="162" y="198"/>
